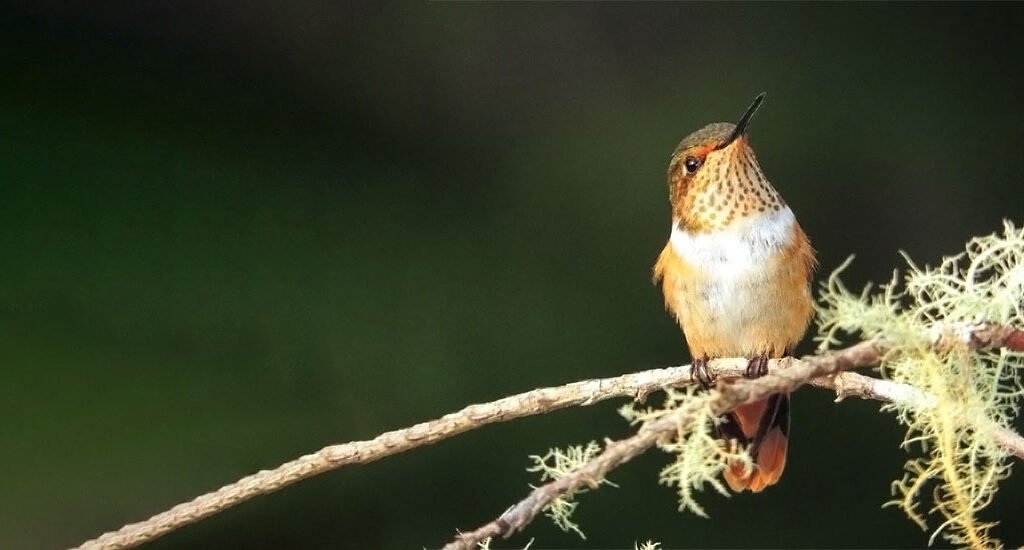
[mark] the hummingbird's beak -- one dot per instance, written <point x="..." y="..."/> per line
<point x="741" y="126"/>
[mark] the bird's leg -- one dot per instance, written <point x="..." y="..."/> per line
<point x="757" y="366"/>
<point x="699" y="372"/>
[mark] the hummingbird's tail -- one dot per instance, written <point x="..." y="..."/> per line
<point x="764" y="426"/>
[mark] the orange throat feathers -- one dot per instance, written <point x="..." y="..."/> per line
<point x="729" y="186"/>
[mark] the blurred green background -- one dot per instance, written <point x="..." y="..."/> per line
<point x="234" y="233"/>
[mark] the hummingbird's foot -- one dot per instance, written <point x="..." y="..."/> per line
<point x="757" y="366"/>
<point x="700" y="374"/>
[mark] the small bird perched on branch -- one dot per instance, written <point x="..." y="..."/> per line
<point x="736" y="274"/>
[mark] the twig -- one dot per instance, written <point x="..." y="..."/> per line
<point x="853" y="384"/>
<point x="534" y="402"/>
<point x="980" y="336"/>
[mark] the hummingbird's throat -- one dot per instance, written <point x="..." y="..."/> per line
<point x="729" y="187"/>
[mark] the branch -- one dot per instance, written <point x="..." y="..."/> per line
<point x="538" y="401"/>
<point x="534" y="402"/>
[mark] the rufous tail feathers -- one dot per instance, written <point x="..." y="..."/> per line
<point x="763" y="426"/>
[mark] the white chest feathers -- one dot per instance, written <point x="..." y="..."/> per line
<point x="739" y="251"/>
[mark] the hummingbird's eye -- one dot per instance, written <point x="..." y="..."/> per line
<point x="691" y="164"/>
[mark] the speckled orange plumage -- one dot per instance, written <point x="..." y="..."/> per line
<point x="736" y="275"/>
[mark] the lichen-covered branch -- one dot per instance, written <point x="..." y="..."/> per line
<point x="539" y="401"/>
<point x="943" y="321"/>
<point x="785" y="375"/>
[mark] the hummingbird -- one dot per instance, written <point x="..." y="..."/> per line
<point x="736" y="275"/>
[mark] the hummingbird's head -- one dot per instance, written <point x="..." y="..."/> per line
<point x="714" y="178"/>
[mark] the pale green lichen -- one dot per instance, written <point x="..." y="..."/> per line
<point x="700" y="456"/>
<point x="975" y="391"/>
<point x="556" y="464"/>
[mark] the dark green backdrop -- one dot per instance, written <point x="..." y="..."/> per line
<point x="232" y="233"/>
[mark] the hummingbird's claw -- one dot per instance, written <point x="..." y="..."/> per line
<point x="757" y="366"/>
<point x="700" y="374"/>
